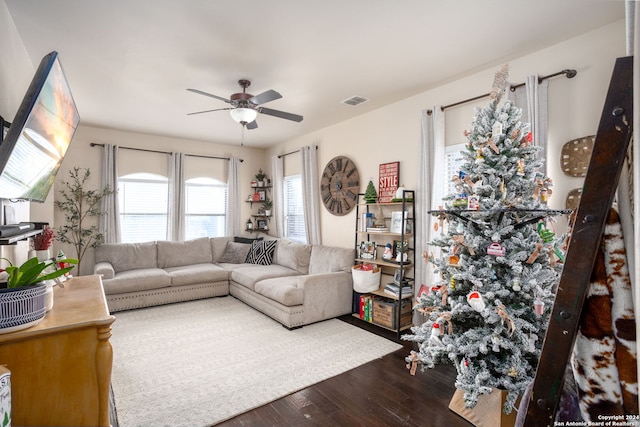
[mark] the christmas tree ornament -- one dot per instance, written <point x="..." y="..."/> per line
<point x="476" y="301"/>
<point x="513" y="372"/>
<point x="496" y="129"/>
<point x="473" y="203"/>
<point x="520" y="167"/>
<point x="546" y="235"/>
<point x="535" y="254"/>
<point x="516" y="285"/>
<point x="538" y="307"/>
<point x="502" y="312"/>
<point x="496" y="249"/>
<point x="544" y="196"/>
<point x="479" y="158"/>
<point x="499" y="84"/>
<point x="460" y="228"/>
<point x="459" y="239"/>
<point x="493" y="146"/>
<point x="436" y="332"/>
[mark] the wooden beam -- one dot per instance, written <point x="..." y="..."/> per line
<point x="601" y="181"/>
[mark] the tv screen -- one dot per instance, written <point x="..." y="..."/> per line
<point x="38" y="137"/>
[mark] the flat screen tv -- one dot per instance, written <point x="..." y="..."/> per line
<point x="38" y="138"/>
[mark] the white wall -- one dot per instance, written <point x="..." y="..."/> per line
<point x="392" y="133"/>
<point x="16" y="71"/>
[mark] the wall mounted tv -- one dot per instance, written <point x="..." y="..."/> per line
<point x="38" y="138"/>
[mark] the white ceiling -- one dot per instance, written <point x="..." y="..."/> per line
<point x="129" y="62"/>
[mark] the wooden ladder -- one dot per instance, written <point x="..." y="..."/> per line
<point x="609" y="150"/>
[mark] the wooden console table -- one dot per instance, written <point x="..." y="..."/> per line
<point x="61" y="367"/>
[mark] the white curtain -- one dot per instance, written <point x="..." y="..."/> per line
<point x="177" y="212"/>
<point x="277" y="168"/>
<point x="430" y="188"/>
<point x="233" y="198"/>
<point x="311" y="194"/>
<point x="532" y="98"/>
<point x="109" y="224"/>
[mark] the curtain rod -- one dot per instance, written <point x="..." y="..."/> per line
<point x="95" y="144"/>
<point x="569" y="73"/>
<point x="290" y="152"/>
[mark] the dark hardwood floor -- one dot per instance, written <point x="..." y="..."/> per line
<point x="379" y="393"/>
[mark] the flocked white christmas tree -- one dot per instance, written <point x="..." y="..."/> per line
<point x="497" y="260"/>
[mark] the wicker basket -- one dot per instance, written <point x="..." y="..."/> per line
<point x="21" y="307"/>
<point x="365" y="280"/>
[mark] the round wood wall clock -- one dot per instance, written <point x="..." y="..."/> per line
<point x="339" y="185"/>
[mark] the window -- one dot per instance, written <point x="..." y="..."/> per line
<point x="293" y="209"/>
<point x="205" y="208"/>
<point x="143" y="207"/>
<point x="452" y="165"/>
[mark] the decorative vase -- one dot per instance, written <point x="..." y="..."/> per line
<point x="22" y="307"/>
<point x="267" y="212"/>
<point x="43" y="255"/>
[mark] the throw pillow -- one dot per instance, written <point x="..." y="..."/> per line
<point x="261" y="252"/>
<point x="235" y="253"/>
<point x="249" y="240"/>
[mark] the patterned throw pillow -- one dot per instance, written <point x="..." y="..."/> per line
<point x="236" y="253"/>
<point x="261" y="252"/>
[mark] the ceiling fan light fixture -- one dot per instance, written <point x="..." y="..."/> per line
<point x="243" y="115"/>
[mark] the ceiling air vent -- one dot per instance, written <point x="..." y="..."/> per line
<point x="355" y="100"/>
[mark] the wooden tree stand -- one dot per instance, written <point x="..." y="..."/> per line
<point x="487" y="412"/>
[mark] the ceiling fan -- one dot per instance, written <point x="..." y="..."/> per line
<point x="245" y="107"/>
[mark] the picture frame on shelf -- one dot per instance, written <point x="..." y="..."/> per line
<point x="262" y="195"/>
<point x="262" y="224"/>
<point x="397" y="276"/>
<point x="397" y="220"/>
<point x="367" y="250"/>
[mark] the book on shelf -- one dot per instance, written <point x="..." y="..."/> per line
<point x="393" y="289"/>
<point x="377" y="229"/>
<point x="366" y="307"/>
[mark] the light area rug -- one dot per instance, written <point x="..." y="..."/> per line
<point x="199" y="363"/>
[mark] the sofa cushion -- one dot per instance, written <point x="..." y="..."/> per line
<point x="141" y="279"/>
<point x="218" y="247"/>
<point x="235" y="253"/>
<point x="293" y="255"/>
<point x="197" y="273"/>
<point x="284" y="290"/>
<point x="326" y="259"/>
<point x="261" y="252"/>
<point x="128" y="256"/>
<point x="175" y="254"/>
<point x="240" y="239"/>
<point x="248" y="275"/>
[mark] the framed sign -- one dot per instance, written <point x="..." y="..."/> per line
<point x="388" y="181"/>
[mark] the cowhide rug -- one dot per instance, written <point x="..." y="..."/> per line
<point x="604" y="357"/>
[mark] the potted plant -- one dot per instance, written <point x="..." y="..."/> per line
<point x="267" y="205"/>
<point x="41" y="243"/>
<point x="79" y="205"/>
<point x="260" y="177"/>
<point x="24" y="301"/>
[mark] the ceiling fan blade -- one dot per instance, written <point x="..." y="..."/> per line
<point x="210" y="95"/>
<point x="280" y="114"/>
<point x="252" y="125"/>
<point x="265" y="97"/>
<point x="208" y="111"/>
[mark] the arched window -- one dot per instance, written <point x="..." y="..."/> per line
<point x="143" y="203"/>
<point x="205" y="208"/>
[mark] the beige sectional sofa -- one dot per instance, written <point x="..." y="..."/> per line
<point x="295" y="284"/>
